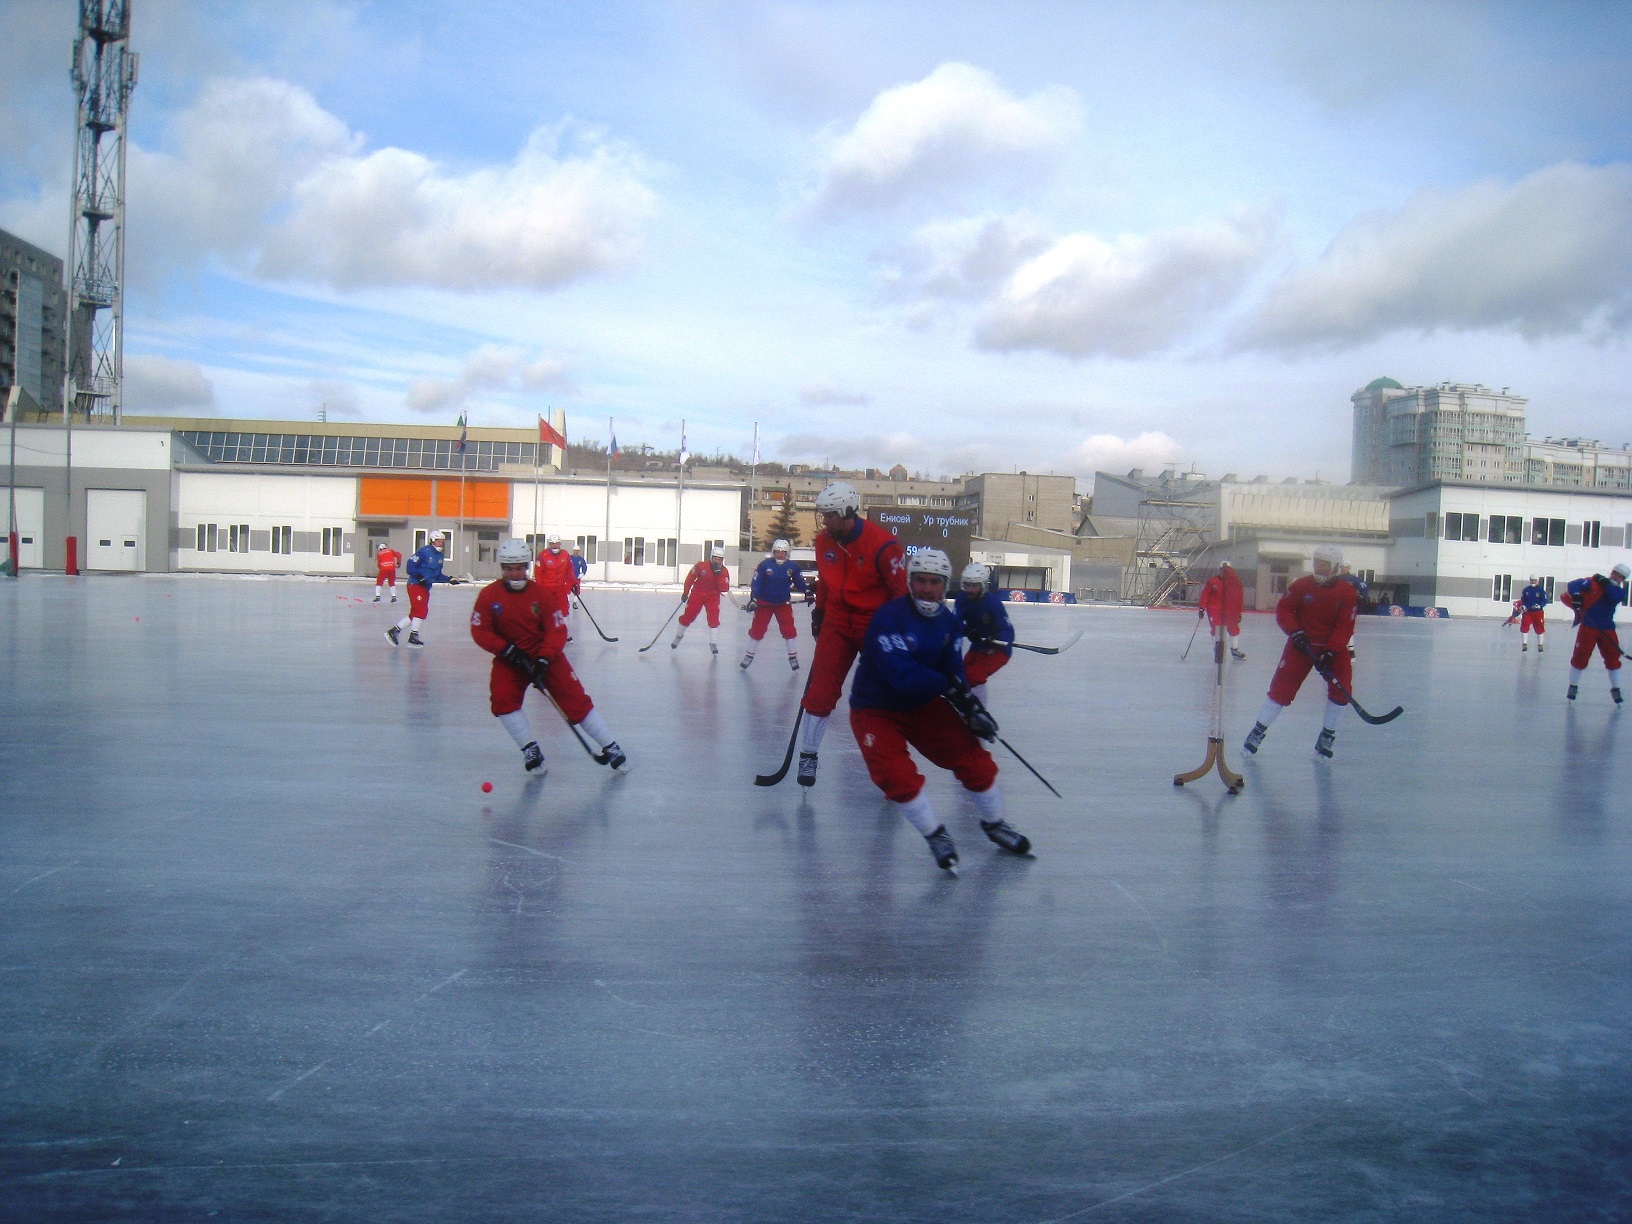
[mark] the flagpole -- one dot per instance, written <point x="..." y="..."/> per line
<point x="679" y="502"/>
<point x="538" y="465"/>
<point x="606" y="540"/>
<point x="753" y="471"/>
<point x="464" y="429"/>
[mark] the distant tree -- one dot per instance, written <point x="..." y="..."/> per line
<point x="785" y="526"/>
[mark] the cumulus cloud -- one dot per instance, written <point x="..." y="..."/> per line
<point x="1549" y="255"/>
<point x="161" y="385"/>
<point x="491" y="367"/>
<point x="334" y="399"/>
<point x="1129" y="297"/>
<point x="1109" y="453"/>
<point x="257" y="171"/>
<point x="953" y="125"/>
<point x="827" y="393"/>
<point x="970" y="257"/>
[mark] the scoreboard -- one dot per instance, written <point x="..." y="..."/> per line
<point x="947" y="530"/>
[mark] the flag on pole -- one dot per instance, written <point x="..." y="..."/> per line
<point x="684" y="453"/>
<point x="755" y="459"/>
<point x="549" y="434"/>
<point x="462" y="432"/>
<point x="612" y="429"/>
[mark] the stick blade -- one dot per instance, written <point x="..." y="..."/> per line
<point x="1378" y="720"/>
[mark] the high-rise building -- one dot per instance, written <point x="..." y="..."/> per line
<point x="33" y="324"/>
<point x="1584" y="463"/>
<point x="1454" y="431"/>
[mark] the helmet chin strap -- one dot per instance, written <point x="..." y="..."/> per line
<point x="515" y="584"/>
<point x="928" y="607"/>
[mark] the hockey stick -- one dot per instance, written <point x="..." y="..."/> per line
<point x="1375" y="720"/>
<point x="665" y="625"/>
<point x="1050" y="650"/>
<point x="1028" y="765"/>
<point x="600" y="758"/>
<point x="1191" y="642"/>
<point x="771" y="779"/>
<point x="594" y="622"/>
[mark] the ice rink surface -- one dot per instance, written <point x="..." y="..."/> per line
<point x="270" y="953"/>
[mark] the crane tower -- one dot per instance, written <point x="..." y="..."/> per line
<point x="104" y="74"/>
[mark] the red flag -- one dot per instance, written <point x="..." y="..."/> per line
<point x="548" y="433"/>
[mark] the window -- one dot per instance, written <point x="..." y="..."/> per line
<point x="1461" y="526"/>
<point x="1547" y="585"/>
<point x="1505" y="529"/>
<point x="207" y="535"/>
<point x="1548" y="532"/>
<point x="283" y="540"/>
<point x="1279" y="576"/>
<point x="333" y="539"/>
<point x="1367" y="576"/>
<point x="1590" y="531"/>
<point x="1432" y="524"/>
<point x="379" y="533"/>
<point x="238" y="538"/>
<point x="1501" y="588"/>
<point x="588" y="543"/>
<point x="668" y="552"/>
<point x="710" y="545"/>
<point x="634" y="550"/>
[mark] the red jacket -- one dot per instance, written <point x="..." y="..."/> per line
<point x="1221" y="599"/>
<point x="387" y="559"/>
<point x="1325" y="613"/>
<point x="523" y="618"/>
<point x="553" y="571"/>
<point x="858" y="577"/>
<point x="708" y="584"/>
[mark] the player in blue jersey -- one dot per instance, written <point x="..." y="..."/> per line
<point x="1595" y="600"/>
<point x="910" y="689"/>
<point x="1532" y="601"/>
<point x="770" y="593"/>
<point x="424" y="572"/>
<point x="985" y="622"/>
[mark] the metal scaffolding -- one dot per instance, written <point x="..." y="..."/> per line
<point x="1172" y="535"/>
<point x="104" y="74"/>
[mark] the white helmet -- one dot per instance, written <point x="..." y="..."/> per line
<point x="717" y="552"/>
<point x="438" y="535"/>
<point x="1332" y="555"/>
<point x="514" y="552"/>
<point x="838" y="498"/>
<point x="1622" y="571"/>
<point x="930" y="561"/>
<point x="976" y="571"/>
<point x="781" y="546"/>
<point x="553" y="540"/>
<point x="1534" y="580"/>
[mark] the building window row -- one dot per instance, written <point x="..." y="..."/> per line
<point x="1510" y="529"/>
<point x="324" y="451"/>
<point x="282" y="539"/>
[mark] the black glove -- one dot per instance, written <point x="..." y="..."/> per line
<point x="751" y="605"/>
<point x="517" y="658"/>
<point x="975" y="716"/>
<point x="1200" y="612"/>
<point x="816" y="622"/>
<point x="1323" y="660"/>
<point x="1300" y="642"/>
<point x="453" y="582"/>
<point x="810" y="598"/>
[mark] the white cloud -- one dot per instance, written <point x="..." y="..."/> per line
<point x="491" y="367"/>
<point x="159" y="385"/>
<point x="258" y="172"/>
<point x="966" y="258"/>
<point x="334" y="399"/>
<point x="1131" y="297"/>
<point x="1549" y="255"/>
<point x="949" y="127"/>
<point x="826" y="393"/>
<point x="1109" y="453"/>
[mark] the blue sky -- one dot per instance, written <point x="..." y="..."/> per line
<point x="961" y="237"/>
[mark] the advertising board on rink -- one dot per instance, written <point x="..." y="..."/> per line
<point x="947" y="530"/>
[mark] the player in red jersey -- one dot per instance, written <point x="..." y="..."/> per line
<point x="859" y="567"/>
<point x="1220" y="603"/>
<point x="386" y="560"/>
<point x="554" y="573"/>
<point x="706" y="582"/>
<point x="1317" y="612"/>
<point x="515" y="621"/>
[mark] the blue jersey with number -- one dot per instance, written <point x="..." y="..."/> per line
<point x="985" y="621"/>
<point x="1534" y="598"/>
<point x="1597" y="599"/>
<point x="907" y="658"/>
<point x="775" y="581"/>
<point x="425" y="567"/>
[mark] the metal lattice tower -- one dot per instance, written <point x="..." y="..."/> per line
<point x="104" y="74"/>
<point x="1173" y="533"/>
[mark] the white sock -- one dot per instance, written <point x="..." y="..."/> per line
<point x="752" y="646"/>
<point x="793" y="651"/>
<point x="680" y="633"/>
<point x="1615" y="679"/>
<point x="919" y="814"/>
<point x="595" y="727"/>
<point x="517" y="725"/>
<point x="403" y="623"/>
<point x="815" y="728"/>
<point x="379" y="590"/>
<point x="713" y="636"/>
<point x="1576" y="673"/>
<point x="989" y="803"/>
<point x="414" y="624"/>
<point x="1270" y="712"/>
<point x="1334" y="715"/>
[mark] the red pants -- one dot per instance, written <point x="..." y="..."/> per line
<point x="697" y="603"/>
<point x="506" y="687"/>
<point x="784" y="621"/>
<point x="419" y="600"/>
<point x="835" y="652"/>
<point x="981" y="665"/>
<point x="1295" y="665"/>
<point x="935" y="729"/>
<point x="1607" y="642"/>
<point x="1233" y="628"/>
<point x="389" y="580"/>
<point x="1533" y="620"/>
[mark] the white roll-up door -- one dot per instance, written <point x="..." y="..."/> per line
<point x="115" y="529"/>
<point x="30" y="524"/>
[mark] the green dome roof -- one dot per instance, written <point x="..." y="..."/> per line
<point x="1383" y="384"/>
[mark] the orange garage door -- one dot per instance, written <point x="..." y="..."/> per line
<point x="393" y="497"/>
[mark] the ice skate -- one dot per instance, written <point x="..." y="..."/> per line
<point x="940" y="845"/>
<point x="675" y="645"/>
<point x="1007" y="836"/>
<point x="807" y="769"/>
<point x="394" y="636"/>
<point x="415" y="640"/>
<point x="1323" y="745"/>
<point x="1254" y="738"/>
<point x="1240" y="656"/>
<point x="1615" y="693"/>
<point x="616" y="760"/>
<point x="532" y="758"/>
<point x="1525" y="649"/>
<point x="793" y="662"/>
<point x="376" y="599"/>
<point x="1540" y="648"/>
<point x="393" y="599"/>
<point x="1571" y="694"/>
<point x="747" y="662"/>
<point x="713" y="649"/>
